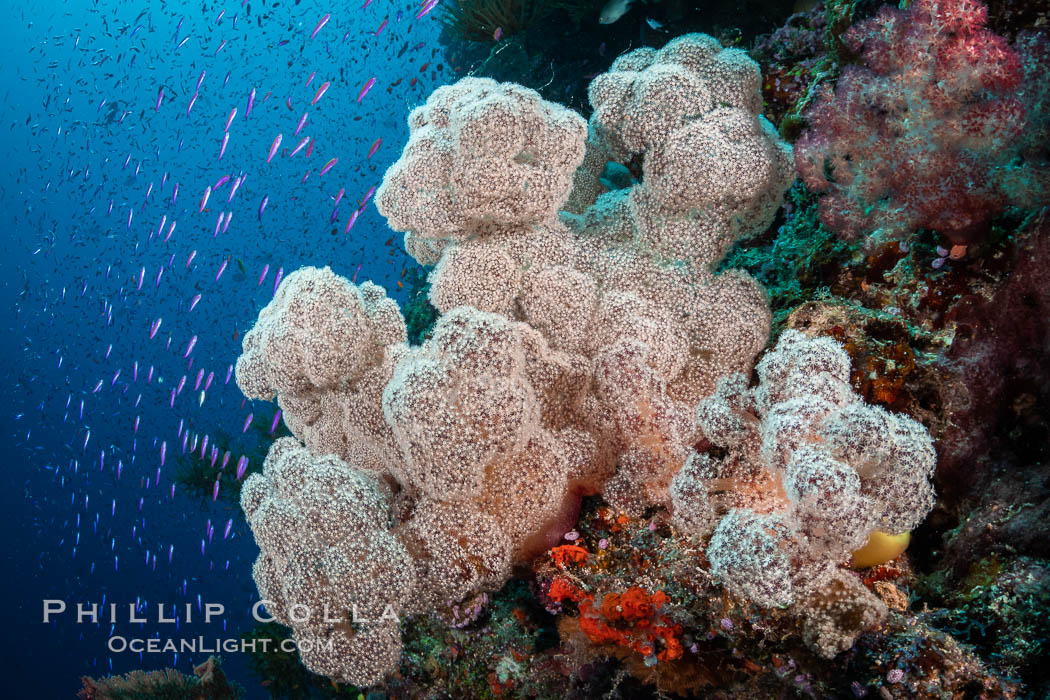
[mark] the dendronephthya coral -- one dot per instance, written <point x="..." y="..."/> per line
<point x="570" y="357"/>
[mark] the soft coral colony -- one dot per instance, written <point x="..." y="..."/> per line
<point x="588" y="344"/>
<point x="940" y="126"/>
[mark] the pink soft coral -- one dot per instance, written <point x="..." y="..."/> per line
<point x="921" y="135"/>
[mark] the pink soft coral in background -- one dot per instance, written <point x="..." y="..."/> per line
<point x="925" y="133"/>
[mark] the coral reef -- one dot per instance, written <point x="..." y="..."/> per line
<point x="207" y="683"/>
<point x="518" y="401"/>
<point x="961" y="348"/>
<point x="728" y="645"/>
<point x="565" y="475"/>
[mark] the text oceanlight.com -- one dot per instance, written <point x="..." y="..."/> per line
<point x="200" y="645"/>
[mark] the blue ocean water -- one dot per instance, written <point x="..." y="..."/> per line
<point x="108" y="107"/>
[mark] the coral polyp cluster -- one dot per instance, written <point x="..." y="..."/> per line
<point x="799" y="474"/>
<point x="570" y="357"/>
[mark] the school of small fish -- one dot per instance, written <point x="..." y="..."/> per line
<point x="128" y="301"/>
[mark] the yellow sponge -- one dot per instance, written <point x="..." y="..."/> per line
<point x="881" y="548"/>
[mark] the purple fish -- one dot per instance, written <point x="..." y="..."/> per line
<point x="365" y="89"/>
<point x="368" y="194"/>
<point x="320" y="25"/>
<point x="236" y="185"/>
<point x="324" y="88"/>
<point x="300" y="146"/>
<point x="353" y="219"/>
<point x="273" y="148"/>
<point x="430" y="5"/>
